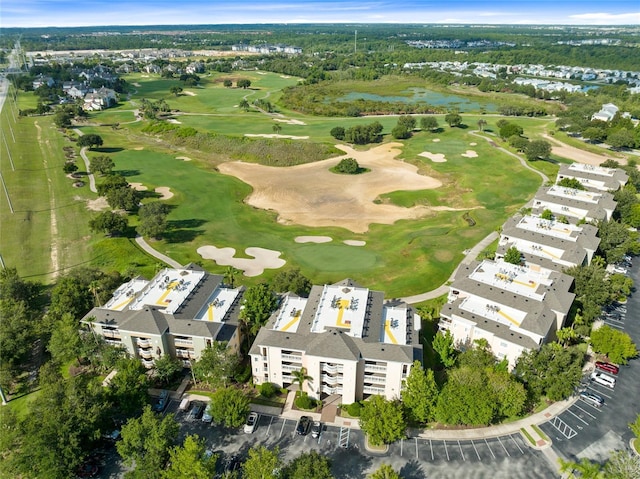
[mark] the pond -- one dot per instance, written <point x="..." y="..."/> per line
<point x="421" y="95"/>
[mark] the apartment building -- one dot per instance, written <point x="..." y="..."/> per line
<point x="515" y="308"/>
<point x="350" y="340"/>
<point x="549" y="243"/>
<point x="179" y="312"/>
<point x="574" y="205"/>
<point x="594" y="178"/>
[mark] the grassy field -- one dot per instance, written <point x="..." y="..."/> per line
<point x="208" y="208"/>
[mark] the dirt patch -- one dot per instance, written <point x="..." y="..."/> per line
<point x="313" y="239"/>
<point x="311" y="195"/>
<point x="290" y="121"/>
<point x="98" y="204"/>
<point x="138" y="187"/>
<point x="139" y="148"/>
<point x="470" y="154"/>
<point x="262" y="259"/>
<point x="165" y="192"/>
<point x="190" y="93"/>
<point x="578" y="155"/>
<point x="174" y="121"/>
<point x="183" y="158"/>
<point x="354" y="242"/>
<point x="435" y="157"/>
<point x="274" y="135"/>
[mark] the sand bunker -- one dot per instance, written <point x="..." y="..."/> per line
<point x="470" y="154"/>
<point x="435" y="157"/>
<point x="354" y="242"/>
<point x="139" y="148"/>
<point x="135" y="83"/>
<point x="436" y="140"/>
<point x="284" y="76"/>
<point x="279" y="136"/>
<point x="165" y="192"/>
<point x="183" y="158"/>
<point x="290" y="121"/>
<point x="263" y="259"/>
<point x="311" y="195"/>
<point x="473" y="143"/>
<point x="138" y="186"/>
<point x="313" y="239"/>
<point x="174" y="121"/>
<point x="189" y="93"/>
<point x="98" y="204"/>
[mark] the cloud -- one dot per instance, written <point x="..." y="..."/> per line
<point x="606" y="18"/>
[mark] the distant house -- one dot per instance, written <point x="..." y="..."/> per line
<point x="152" y="68"/>
<point x="195" y="67"/>
<point x="606" y="113"/>
<point x="100" y="99"/>
<point x="42" y="80"/>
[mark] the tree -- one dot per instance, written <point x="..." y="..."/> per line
<point x="102" y="164"/>
<point x="62" y="118"/>
<point x="443" y="345"/>
<point x="616" y="345"/>
<point x="190" y="461"/>
<point x="348" y="166"/>
<point x="466" y="398"/>
<point x="453" y="119"/>
<point x="112" y="182"/>
<point x="420" y="394"/>
<point x="566" y="336"/>
<point x="337" y="132"/>
<point x="277" y="128"/>
<point x="70" y="295"/>
<point x="622" y="138"/>
<point x="595" y="134"/>
<point x="128" y="388"/>
<point x="230" y="276"/>
<point x="244" y="104"/>
<point x="227" y="83"/>
<point x="509" y="130"/>
<point x="146" y="442"/>
<point x="153" y="219"/>
<point x="229" y="406"/>
<point x="308" y="465"/>
<point x="175" y="90"/>
<point x="571" y="183"/>
<point x="513" y="256"/>
<point x="482" y="124"/>
<point x="166" y="368"/>
<point x="291" y="280"/>
<point x="589" y="290"/>
<point x="382" y="420"/>
<point x="216" y="366"/>
<point x="407" y="121"/>
<point x="622" y="464"/>
<point x="262" y="463"/>
<point x="125" y="198"/>
<point x="400" y="132"/>
<point x="546" y="214"/>
<point x="429" y="123"/>
<point x="538" y="149"/>
<point x="65" y="343"/>
<point x="259" y="302"/>
<point x="518" y="142"/>
<point x="90" y="140"/>
<point x="243" y="83"/>
<point x="69" y="167"/>
<point x="385" y="471"/>
<point x="300" y="376"/>
<point x="108" y="222"/>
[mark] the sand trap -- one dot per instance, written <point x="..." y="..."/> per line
<point x="473" y="144"/>
<point x="98" y="204"/>
<point x="311" y="195"/>
<point x="313" y="239"/>
<point x="174" y="121"/>
<point x="436" y="140"/>
<point x="144" y="76"/>
<point x="354" y="242"/>
<point x="138" y="186"/>
<point x="263" y="259"/>
<point x="183" y="158"/>
<point x="470" y="154"/>
<point x="279" y="136"/>
<point x="139" y="148"/>
<point x="189" y="93"/>
<point x="261" y="73"/>
<point x="165" y="192"/>
<point x="135" y="84"/>
<point x="435" y="157"/>
<point x="290" y="121"/>
<point x="284" y="76"/>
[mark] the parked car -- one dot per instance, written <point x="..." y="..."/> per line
<point x="233" y="464"/>
<point x="316" y="429"/>
<point x="592" y="398"/>
<point x="196" y="411"/>
<point x="607" y="367"/>
<point x="206" y="416"/>
<point x="603" y="379"/>
<point x="252" y="423"/>
<point x="161" y="404"/>
<point x="304" y="425"/>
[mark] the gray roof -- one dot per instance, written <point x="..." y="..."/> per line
<point x="614" y="182"/>
<point x="594" y="210"/>
<point x="587" y="238"/>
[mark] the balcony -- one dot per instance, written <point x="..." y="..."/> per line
<point x="111" y="333"/>
<point x="113" y="342"/>
<point x="332" y="380"/>
<point x="144" y="343"/>
<point x="145" y="353"/>
<point x="329" y="390"/>
<point x="374" y="368"/>
<point x="290" y="367"/>
<point x="375" y="379"/>
<point x="332" y="368"/>
<point x="372" y="390"/>
<point x="184" y="353"/>
<point x="183" y="342"/>
<point x="291" y="357"/>
<point x="147" y="363"/>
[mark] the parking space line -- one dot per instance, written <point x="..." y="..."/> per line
<point x="505" y="449"/>
<point x="564" y="429"/>
<point x="489" y="447"/>
<point x="577" y="417"/>
<point x="446" y="450"/>
<point x="401" y="444"/>
<point x="431" y="447"/>
<point x="474" y="448"/>
<point x="597" y="409"/>
<point x="269" y="426"/>
<point x="462" y="453"/>
<point x="600" y="393"/>
<point x="615" y="324"/>
<point x="586" y="412"/>
<point x="284" y="422"/>
<point x="516" y="442"/>
<point x="417" y="456"/>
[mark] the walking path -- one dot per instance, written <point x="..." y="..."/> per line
<point x="83" y="154"/>
<point x="157" y="254"/>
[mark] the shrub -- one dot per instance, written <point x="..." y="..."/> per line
<point x="348" y="166"/>
<point x="186" y="132"/>
<point x="305" y="402"/>
<point x="337" y="132"/>
<point x="268" y="390"/>
<point x="354" y="409"/>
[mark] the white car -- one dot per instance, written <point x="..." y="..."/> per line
<point x="206" y="416"/>
<point x="252" y="423"/>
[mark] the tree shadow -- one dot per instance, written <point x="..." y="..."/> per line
<point x="181" y="235"/>
<point x="190" y="223"/>
<point x="127" y="172"/>
<point x="412" y="470"/>
<point x="107" y="150"/>
<point x="349" y="464"/>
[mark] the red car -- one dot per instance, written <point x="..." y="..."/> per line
<point x="607" y="367"/>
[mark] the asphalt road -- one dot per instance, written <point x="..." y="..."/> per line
<point x="586" y="431"/>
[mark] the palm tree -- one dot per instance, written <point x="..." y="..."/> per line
<point x="277" y="128"/>
<point x="481" y="124"/>
<point x="244" y="104"/>
<point x="300" y="377"/>
<point x="230" y="275"/>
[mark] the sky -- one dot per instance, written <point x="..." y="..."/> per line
<point x="71" y="13"/>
